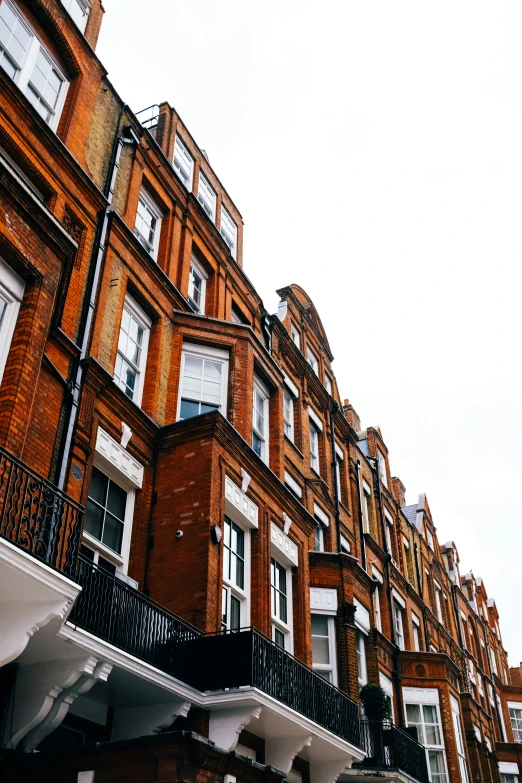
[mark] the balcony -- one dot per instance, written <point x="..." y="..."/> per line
<point x="389" y="748"/>
<point x="37" y="517"/>
<point x="250" y="659"/>
<point x="126" y="618"/>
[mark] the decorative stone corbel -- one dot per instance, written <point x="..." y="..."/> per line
<point x="45" y="692"/>
<point x="226" y="725"/>
<point x="328" y="771"/>
<point x="281" y="751"/>
<point x="286" y="523"/>
<point x="131" y="722"/>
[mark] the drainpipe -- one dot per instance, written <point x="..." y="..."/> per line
<point x="333" y="410"/>
<point x="359" y="506"/>
<point x="90" y="302"/>
<point x="395" y="657"/>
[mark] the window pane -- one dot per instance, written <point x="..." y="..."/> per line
<point x="206" y="407"/>
<point x="413" y="714"/>
<point x="319" y="625"/>
<point x="117" y="501"/>
<point x="235" y="613"/>
<point x="106" y="565"/>
<point x="112" y="533"/>
<point x="257" y="444"/>
<point x="188" y="409"/>
<point x="320" y="650"/>
<point x="279" y="638"/>
<point x="94" y="520"/>
<point x="98" y="486"/>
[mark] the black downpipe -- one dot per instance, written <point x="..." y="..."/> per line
<point x="333" y="410"/>
<point x="88" y="309"/>
<point x="359" y="507"/>
<point x="149" y="525"/>
<point x="395" y="656"/>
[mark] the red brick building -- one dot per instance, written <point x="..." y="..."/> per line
<point x="203" y="555"/>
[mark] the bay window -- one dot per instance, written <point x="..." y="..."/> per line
<point x="30" y="65"/>
<point x="422" y="711"/>
<point x="197" y="286"/>
<point x="204" y="380"/>
<point x="236" y="550"/>
<point x="183" y="163"/>
<point x="260" y="420"/>
<point x="148" y="224"/>
<point x="11" y="291"/>
<point x="131" y="359"/>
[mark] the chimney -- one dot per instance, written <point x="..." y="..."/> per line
<point x="352" y="416"/>
<point x="399" y="491"/>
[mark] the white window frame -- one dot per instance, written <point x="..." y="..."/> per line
<point x="459" y="740"/>
<point x="366" y="498"/>
<point x="515" y="720"/>
<point x="429" y="697"/>
<point x="398" y="624"/>
<point x="312" y="360"/>
<point x="209" y="354"/>
<point x="79" y="11"/>
<point x="332" y="651"/>
<point x="362" y="669"/>
<point x="295" y="335"/>
<point x="12" y="289"/>
<point x="415" y="621"/>
<point x="262" y="391"/>
<point x="318" y="536"/>
<point x="438" y="591"/>
<point x="314" y="445"/>
<point x="228" y="230"/>
<point x="181" y="160"/>
<point x="25" y="69"/>
<point x="203" y="276"/>
<point x="139" y="315"/>
<point x="207" y="196"/>
<point x="285" y="628"/>
<point x="231" y="588"/>
<point x="288" y="415"/>
<point x="152" y="207"/>
<point x="377" y="597"/>
<point x="383" y="474"/>
<point x="345" y="545"/>
<point x="328" y="383"/>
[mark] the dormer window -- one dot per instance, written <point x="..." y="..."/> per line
<point x="229" y="231"/>
<point x="197" y="286"/>
<point x="79" y="11"/>
<point x="207" y="197"/>
<point x="183" y="163"/>
<point x="30" y="65"/>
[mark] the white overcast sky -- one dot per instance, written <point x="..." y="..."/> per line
<point x="374" y="150"/>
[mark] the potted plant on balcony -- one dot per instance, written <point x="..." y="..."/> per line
<point x="376" y="714"/>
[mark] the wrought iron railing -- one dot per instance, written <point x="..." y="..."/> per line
<point x="149" y="117"/>
<point x="248" y="658"/>
<point x="388" y="746"/>
<point x="38" y="517"/>
<point x="122" y="616"/>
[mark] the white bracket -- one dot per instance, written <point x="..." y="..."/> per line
<point x="226" y="725"/>
<point x="280" y="752"/>
<point x="131" y="722"/>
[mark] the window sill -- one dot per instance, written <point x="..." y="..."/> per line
<point x="291" y="442"/>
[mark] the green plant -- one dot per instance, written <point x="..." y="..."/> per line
<point x="376" y="703"/>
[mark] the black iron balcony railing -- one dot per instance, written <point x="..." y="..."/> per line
<point x="38" y="517"/>
<point x="122" y="616"/>
<point x="388" y="746"/>
<point x="248" y="658"/>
